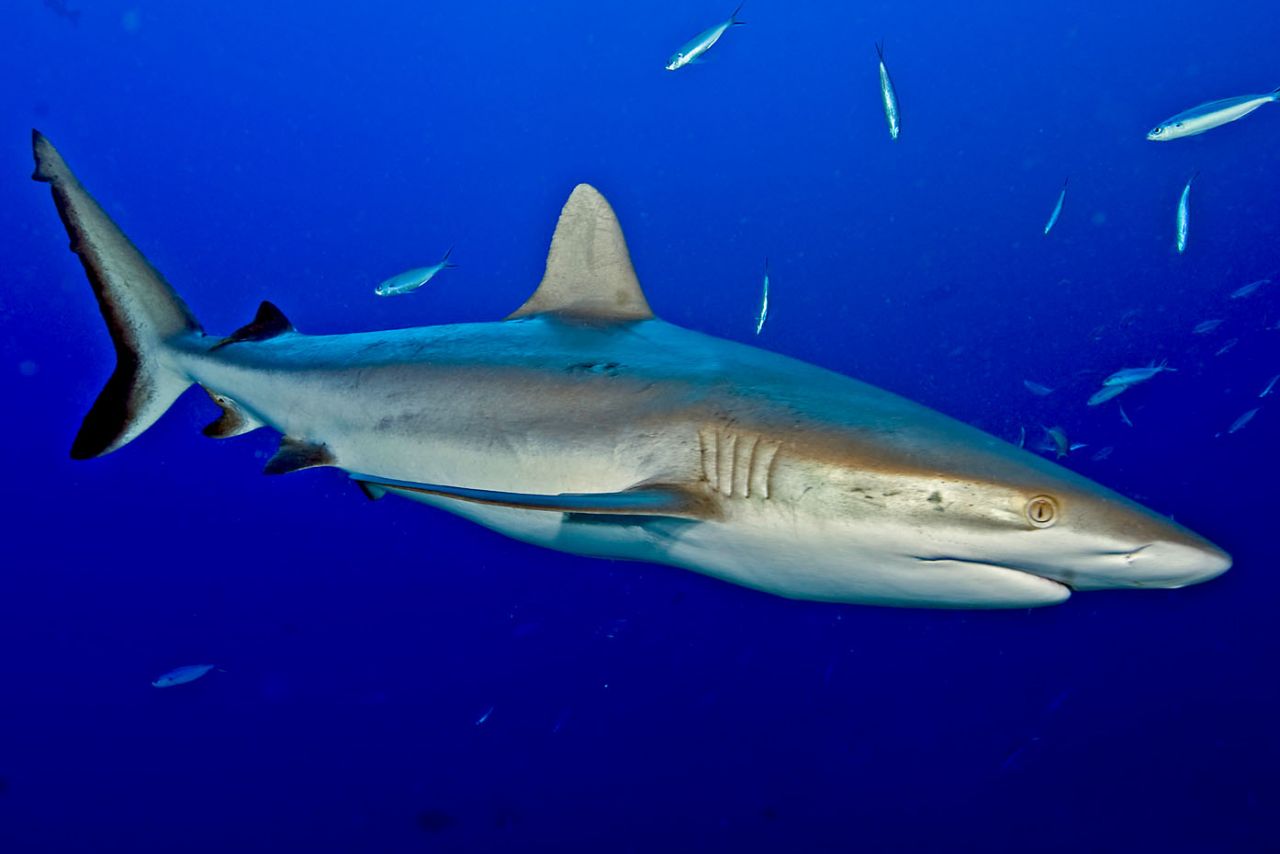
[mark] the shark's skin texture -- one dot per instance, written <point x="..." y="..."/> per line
<point x="585" y="424"/>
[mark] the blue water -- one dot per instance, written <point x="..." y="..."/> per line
<point x="302" y="152"/>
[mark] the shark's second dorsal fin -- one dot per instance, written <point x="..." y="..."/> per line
<point x="589" y="274"/>
<point x="269" y="322"/>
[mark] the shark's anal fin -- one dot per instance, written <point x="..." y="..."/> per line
<point x="233" y="421"/>
<point x="295" y="455"/>
<point x="269" y="322"/>
<point x="647" y="500"/>
<point x="589" y="275"/>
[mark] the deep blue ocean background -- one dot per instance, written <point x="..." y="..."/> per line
<point x="302" y="152"/>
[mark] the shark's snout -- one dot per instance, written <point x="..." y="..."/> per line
<point x="1177" y="563"/>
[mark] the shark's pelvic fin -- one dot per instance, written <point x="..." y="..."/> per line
<point x="371" y="491"/>
<point x="589" y="274"/>
<point x="233" y="421"/>
<point x="269" y="322"/>
<point x="295" y="455"/>
<point x="142" y="313"/>
<point x="647" y="500"/>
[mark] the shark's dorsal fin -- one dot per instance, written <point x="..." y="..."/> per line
<point x="589" y="274"/>
<point x="269" y="322"/>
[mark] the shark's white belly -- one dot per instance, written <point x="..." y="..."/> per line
<point x="771" y="555"/>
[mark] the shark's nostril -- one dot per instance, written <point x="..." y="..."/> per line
<point x="1128" y="558"/>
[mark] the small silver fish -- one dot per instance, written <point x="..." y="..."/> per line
<point x="182" y="675"/>
<point x="1124" y="416"/>
<point x="411" y="280"/>
<point x="1204" y="327"/>
<point x="1240" y="422"/>
<point x="1184" y="215"/>
<point x="1133" y="376"/>
<point x="485" y="716"/>
<point x="764" y="300"/>
<point x="1022" y="437"/>
<point x="1057" y="209"/>
<point x="1249" y="289"/>
<point x="693" y="49"/>
<point x="1226" y="348"/>
<point x="1266" y="391"/>
<point x="1208" y="116"/>
<point x="1103" y="454"/>
<point x="1037" y="389"/>
<point x="889" y="96"/>
<point x="1107" y="392"/>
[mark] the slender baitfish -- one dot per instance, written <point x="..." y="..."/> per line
<point x="1249" y="289"/>
<point x="182" y="675"/>
<point x="1132" y="376"/>
<point x="888" y="95"/>
<point x="410" y="280"/>
<point x="1266" y="391"/>
<point x="1209" y="116"/>
<point x="764" y="300"/>
<point x="1243" y="420"/>
<point x="1057" y="208"/>
<point x="1204" y="327"/>
<point x="1184" y="214"/>
<point x="1107" y="392"/>
<point x="693" y="49"/>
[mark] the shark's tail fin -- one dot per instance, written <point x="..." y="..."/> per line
<point x="142" y="312"/>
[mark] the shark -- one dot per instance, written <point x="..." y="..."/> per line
<point x="584" y="423"/>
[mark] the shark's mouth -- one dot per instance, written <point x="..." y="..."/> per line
<point x="993" y="564"/>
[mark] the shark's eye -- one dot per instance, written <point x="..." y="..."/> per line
<point x="1042" y="511"/>
<point x="1157" y="131"/>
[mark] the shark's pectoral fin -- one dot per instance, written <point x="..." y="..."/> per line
<point x="269" y="322"/>
<point x="233" y="421"/>
<point x="295" y="455"/>
<point x="589" y="274"/>
<point x="646" y="500"/>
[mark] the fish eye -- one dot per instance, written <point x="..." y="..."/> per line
<point x="1157" y="131"/>
<point x="1042" y="511"/>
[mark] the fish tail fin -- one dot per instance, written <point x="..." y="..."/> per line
<point x="880" y="49"/>
<point x="1275" y="93"/>
<point x="143" y="313"/>
<point x="733" y="19"/>
<point x="448" y="265"/>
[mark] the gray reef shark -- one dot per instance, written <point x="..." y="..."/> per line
<point x="583" y="423"/>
